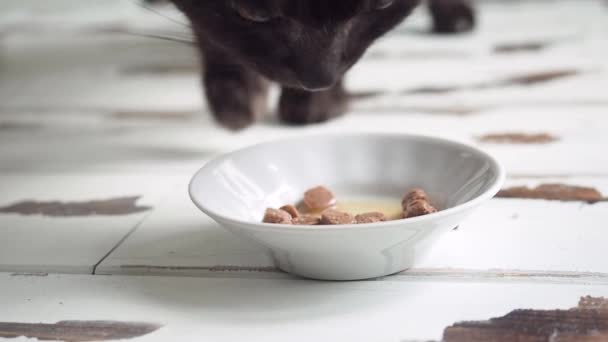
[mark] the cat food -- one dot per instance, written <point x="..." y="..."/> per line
<point x="276" y="216"/>
<point x="372" y="217"/>
<point x="306" y="219"/>
<point x="319" y="207"/>
<point x="319" y="198"/>
<point x="331" y="217"/>
<point x="292" y="210"/>
<point x="416" y="203"/>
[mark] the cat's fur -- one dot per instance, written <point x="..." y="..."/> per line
<point x="304" y="45"/>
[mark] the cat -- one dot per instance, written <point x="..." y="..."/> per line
<point x="306" y="46"/>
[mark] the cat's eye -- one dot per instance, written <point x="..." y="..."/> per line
<point x="382" y="4"/>
<point x="256" y="15"/>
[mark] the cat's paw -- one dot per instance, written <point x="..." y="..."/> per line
<point x="234" y="121"/>
<point x="236" y="105"/>
<point x="452" y="16"/>
<point x="300" y="107"/>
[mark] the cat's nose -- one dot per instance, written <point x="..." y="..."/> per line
<point x="317" y="80"/>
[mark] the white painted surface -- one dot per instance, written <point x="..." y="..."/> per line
<point x="178" y="239"/>
<point x="192" y="309"/>
<point x="69" y="244"/>
<point x="84" y="123"/>
<point x="511" y="234"/>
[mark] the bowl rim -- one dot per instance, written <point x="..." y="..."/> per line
<point x="486" y="195"/>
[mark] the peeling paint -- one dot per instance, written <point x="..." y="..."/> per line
<point x="435" y="90"/>
<point x="528" y="79"/>
<point x="583" y="323"/>
<point x="29" y="274"/>
<point x="161" y="69"/>
<point x="13" y="126"/>
<point x="458" y="273"/>
<point x="216" y="268"/>
<point x="518" y="138"/>
<point x="507" y="48"/>
<point x="362" y="95"/>
<point x="559" y="192"/>
<point x="451" y="110"/>
<point x="154" y="115"/>
<point x="76" y="331"/>
<point x="107" y="207"/>
<point x="593" y="303"/>
<point x="539" y="77"/>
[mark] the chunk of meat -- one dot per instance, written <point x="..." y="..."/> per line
<point x="419" y="208"/>
<point x="333" y="217"/>
<point x="412" y="195"/>
<point x="416" y="203"/>
<point x="319" y="198"/>
<point x="291" y="209"/>
<point x="276" y="216"/>
<point x="306" y="220"/>
<point x="372" y="217"/>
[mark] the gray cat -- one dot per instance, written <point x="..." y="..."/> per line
<point x="306" y="46"/>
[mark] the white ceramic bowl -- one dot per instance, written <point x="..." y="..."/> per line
<point x="236" y="188"/>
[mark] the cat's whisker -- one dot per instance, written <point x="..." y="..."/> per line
<point x="185" y="40"/>
<point x="173" y="20"/>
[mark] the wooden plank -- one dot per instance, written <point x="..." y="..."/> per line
<point x="279" y="309"/>
<point x="178" y="239"/>
<point x="136" y="145"/>
<point x="525" y="234"/>
<point x="68" y="223"/>
<point x="575" y="152"/>
<point x="96" y="143"/>
<point x="62" y="79"/>
<point x="100" y="142"/>
<point x="513" y="235"/>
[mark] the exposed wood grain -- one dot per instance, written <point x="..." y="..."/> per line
<point x="514" y="176"/>
<point x="163" y="69"/>
<point x="457" y="273"/>
<point x="361" y="95"/>
<point x="106" y="207"/>
<point x="560" y="192"/>
<point x="531" y="46"/>
<point x="413" y="55"/>
<point x="154" y="115"/>
<point x="518" y="138"/>
<point x="12" y="126"/>
<point x="29" y="274"/>
<point x="452" y="274"/>
<point x="528" y="79"/>
<point x="583" y="323"/>
<point x="593" y="303"/>
<point x="74" y="331"/>
<point x="217" y="268"/>
<point x="540" y="77"/>
<point x="436" y="90"/>
<point x="451" y="110"/>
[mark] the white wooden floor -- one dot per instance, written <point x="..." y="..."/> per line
<point x="88" y="113"/>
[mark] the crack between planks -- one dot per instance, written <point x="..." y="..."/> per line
<point x="119" y="243"/>
<point x="131" y="231"/>
<point x="591" y="278"/>
<point x="413" y="274"/>
<point x="557" y="175"/>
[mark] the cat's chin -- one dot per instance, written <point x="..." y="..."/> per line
<point x="289" y="80"/>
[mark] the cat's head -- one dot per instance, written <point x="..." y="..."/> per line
<point x="306" y="44"/>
